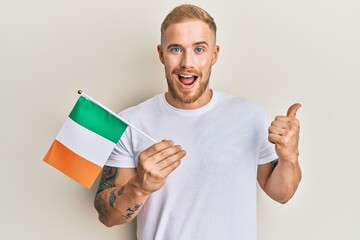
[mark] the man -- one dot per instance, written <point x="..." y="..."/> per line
<point x="224" y="147"/>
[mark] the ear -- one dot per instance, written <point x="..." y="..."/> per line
<point x="215" y="54"/>
<point x="161" y="54"/>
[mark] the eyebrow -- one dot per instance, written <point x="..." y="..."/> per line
<point x="173" y="45"/>
<point x="201" y="43"/>
<point x="195" y="44"/>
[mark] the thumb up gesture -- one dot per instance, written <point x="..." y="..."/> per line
<point x="284" y="133"/>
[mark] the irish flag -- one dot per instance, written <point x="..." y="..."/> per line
<point x="85" y="141"/>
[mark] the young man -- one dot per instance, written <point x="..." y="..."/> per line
<point x="223" y="149"/>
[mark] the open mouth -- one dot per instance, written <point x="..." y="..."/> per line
<point x="187" y="79"/>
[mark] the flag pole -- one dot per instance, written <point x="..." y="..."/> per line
<point x="115" y="115"/>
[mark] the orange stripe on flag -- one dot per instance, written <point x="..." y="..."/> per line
<point x="71" y="164"/>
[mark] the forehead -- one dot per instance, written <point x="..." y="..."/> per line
<point x="188" y="31"/>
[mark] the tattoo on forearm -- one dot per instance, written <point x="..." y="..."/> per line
<point x="275" y="162"/>
<point x="121" y="190"/>
<point x="131" y="211"/>
<point x="112" y="198"/>
<point x="100" y="206"/>
<point x="107" y="179"/>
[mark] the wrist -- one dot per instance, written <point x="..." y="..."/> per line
<point x="290" y="162"/>
<point x="137" y="189"/>
<point x="290" y="158"/>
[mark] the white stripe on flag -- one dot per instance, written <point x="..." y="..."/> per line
<point x="85" y="143"/>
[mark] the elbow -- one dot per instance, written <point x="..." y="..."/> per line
<point x="104" y="219"/>
<point x="106" y="222"/>
<point x="110" y="222"/>
<point x="285" y="196"/>
<point x="281" y="195"/>
<point x="283" y="200"/>
<point x="109" y="219"/>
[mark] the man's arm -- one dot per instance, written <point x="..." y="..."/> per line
<point x="122" y="192"/>
<point x="281" y="181"/>
<point x="116" y="195"/>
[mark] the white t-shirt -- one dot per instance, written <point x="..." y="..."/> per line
<point x="212" y="194"/>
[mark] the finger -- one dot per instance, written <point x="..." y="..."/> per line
<point x="281" y="122"/>
<point x="276" y="130"/>
<point x="275" y="138"/>
<point x="165" y="163"/>
<point x="160" y="156"/>
<point x="173" y="162"/>
<point x="157" y="147"/>
<point x="292" y="110"/>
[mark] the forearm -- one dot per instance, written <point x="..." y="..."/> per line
<point x="283" y="181"/>
<point x="118" y="205"/>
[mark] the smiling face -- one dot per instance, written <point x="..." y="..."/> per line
<point x="188" y="51"/>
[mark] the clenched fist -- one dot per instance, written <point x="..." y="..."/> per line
<point x="156" y="163"/>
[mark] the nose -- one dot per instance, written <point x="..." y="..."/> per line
<point x="187" y="60"/>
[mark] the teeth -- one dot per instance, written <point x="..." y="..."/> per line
<point x="186" y="76"/>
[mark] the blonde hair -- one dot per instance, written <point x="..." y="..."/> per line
<point x="187" y="12"/>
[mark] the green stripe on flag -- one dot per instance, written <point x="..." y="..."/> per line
<point x="95" y="118"/>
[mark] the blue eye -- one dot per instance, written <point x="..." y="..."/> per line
<point x="175" y="50"/>
<point x="199" y="50"/>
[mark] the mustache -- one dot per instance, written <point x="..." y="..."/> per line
<point x="186" y="72"/>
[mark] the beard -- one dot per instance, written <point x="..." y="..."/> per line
<point x="187" y="97"/>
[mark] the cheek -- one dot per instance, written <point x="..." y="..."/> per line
<point x="205" y="61"/>
<point x="171" y="63"/>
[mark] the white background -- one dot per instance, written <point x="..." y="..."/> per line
<point x="275" y="52"/>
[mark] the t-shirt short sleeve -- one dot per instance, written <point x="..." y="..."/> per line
<point x="267" y="154"/>
<point x="122" y="156"/>
<point x="267" y="151"/>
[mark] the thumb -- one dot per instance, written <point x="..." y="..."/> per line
<point x="293" y="109"/>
